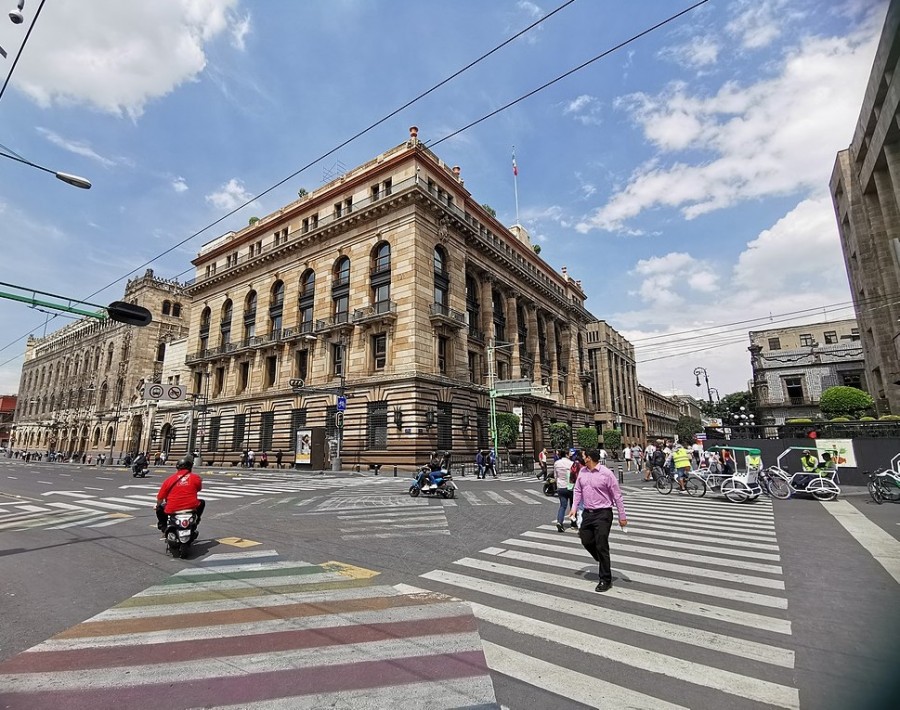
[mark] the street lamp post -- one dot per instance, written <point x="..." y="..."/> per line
<point x="697" y="373"/>
<point x="115" y="433"/>
<point x="68" y="178"/>
<point x="492" y="381"/>
<point x="713" y="389"/>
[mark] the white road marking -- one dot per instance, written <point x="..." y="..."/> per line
<point x="882" y="546"/>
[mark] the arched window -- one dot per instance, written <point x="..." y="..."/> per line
<point x="109" y="359"/>
<point x="225" y="323"/>
<point x="205" y="317"/>
<point x="161" y="352"/>
<point x="176" y="310"/>
<point x="340" y="290"/>
<point x="441" y="282"/>
<point x="166" y="308"/>
<point x="307" y="300"/>
<point x="104" y="391"/>
<point x="499" y="316"/>
<point x="381" y="277"/>
<point x="276" y="308"/>
<point x="250" y="316"/>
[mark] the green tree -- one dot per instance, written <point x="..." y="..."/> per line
<point x="560" y="436"/>
<point x="686" y="427"/>
<point x="586" y="437"/>
<point x="536" y="248"/>
<point x="490" y="210"/>
<point x="730" y="404"/>
<point x="612" y="441"/>
<point x="302" y="192"/>
<point x="845" y="402"/>
<point x="507" y="429"/>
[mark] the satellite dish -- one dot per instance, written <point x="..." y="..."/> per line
<point x="129" y="313"/>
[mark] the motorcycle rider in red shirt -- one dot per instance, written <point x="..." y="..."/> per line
<point x="179" y="492"/>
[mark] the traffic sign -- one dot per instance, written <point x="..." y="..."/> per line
<point x="154" y="390"/>
<point x="341" y="403"/>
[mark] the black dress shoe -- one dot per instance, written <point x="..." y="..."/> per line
<point x="603" y="587"/>
<point x="560" y="527"/>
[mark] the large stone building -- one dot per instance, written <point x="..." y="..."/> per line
<point x="388" y="286"/>
<point x="614" y="382"/>
<point x="7" y="413"/>
<point x="660" y="414"/>
<point x="793" y="366"/>
<point x="865" y="189"/>
<point x="78" y="392"/>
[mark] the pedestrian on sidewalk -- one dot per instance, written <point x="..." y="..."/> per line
<point x="542" y="463"/>
<point x="598" y="489"/>
<point x="279" y="455"/>
<point x="490" y="464"/>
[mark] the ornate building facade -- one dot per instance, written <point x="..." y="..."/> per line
<point x="79" y="389"/>
<point x="865" y="190"/>
<point x="388" y="289"/>
<point x="660" y="414"/>
<point x="614" y="382"/>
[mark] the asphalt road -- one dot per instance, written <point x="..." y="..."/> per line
<point x="769" y="604"/>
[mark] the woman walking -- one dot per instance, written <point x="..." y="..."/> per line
<point x="562" y="469"/>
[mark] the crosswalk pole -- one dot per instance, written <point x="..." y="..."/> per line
<point x="395" y="472"/>
<point x="621" y="474"/>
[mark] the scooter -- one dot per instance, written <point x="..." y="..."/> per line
<point x="181" y="531"/>
<point x="139" y="469"/>
<point x="443" y="479"/>
<point x="550" y="485"/>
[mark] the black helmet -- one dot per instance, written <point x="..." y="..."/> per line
<point x="186" y="462"/>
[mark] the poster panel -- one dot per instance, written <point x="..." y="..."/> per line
<point x="841" y="449"/>
<point x="303" y="448"/>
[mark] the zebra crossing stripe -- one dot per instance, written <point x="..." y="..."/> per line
<point x="709" y="590"/>
<point x="762" y="691"/>
<point x="472" y="498"/>
<point x="574" y="686"/>
<point x="740" y="648"/>
<point x="678" y="541"/>
<point x="679" y="530"/>
<point x="418" y="533"/>
<point x="628" y="561"/>
<point x="681" y="555"/>
<point x="497" y="498"/>
<point x="540" y="495"/>
<point x="410" y="526"/>
<point x="523" y="498"/>
<point x="694" y="608"/>
<point x="704" y="523"/>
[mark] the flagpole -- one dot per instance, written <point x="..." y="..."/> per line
<point x="516" y="182"/>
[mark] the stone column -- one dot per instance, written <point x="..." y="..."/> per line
<point x="512" y="336"/>
<point x="487" y="309"/>
<point x="532" y="342"/>
<point x="554" y="365"/>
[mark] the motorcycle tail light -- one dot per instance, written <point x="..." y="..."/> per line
<point x="185" y="523"/>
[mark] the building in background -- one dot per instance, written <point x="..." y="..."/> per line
<point x="793" y="366"/>
<point x="613" y="381"/>
<point x="392" y="290"/>
<point x="78" y="392"/>
<point x="7" y="414"/>
<point x="688" y="406"/>
<point x="660" y="414"/>
<point x="865" y="190"/>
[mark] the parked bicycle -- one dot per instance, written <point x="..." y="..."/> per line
<point x="884" y="485"/>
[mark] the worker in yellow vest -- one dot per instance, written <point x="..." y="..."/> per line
<point x="754" y="460"/>
<point x="681" y="458"/>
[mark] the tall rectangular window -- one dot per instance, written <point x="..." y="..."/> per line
<point x="379" y="351"/>
<point x="271" y="370"/>
<point x="473" y="359"/>
<point x="244" y="377"/>
<point x="215" y="425"/>
<point x="301" y="364"/>
<point x="774" y="344"/>
<point x="445" y="426"/>
<point x="443" y="345"/>
<point x="266" y="427"/>
<point x="219" y="384"/>
<point x="337" y="359"/>
<point x="376" y="425"/>
<point x="831" y="337"/>
<point x="794" y="388"/>
<point x="237" y="433"/>
<point x="482" y="427"/>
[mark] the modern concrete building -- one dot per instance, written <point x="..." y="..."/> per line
<point x="390" y="289"/>
<point x="614" y="381"/>
<point x="793" y="366"/>
<point x="660" y="414"/>
<point x="865" y="189"/>
<point x="78" y="393"/>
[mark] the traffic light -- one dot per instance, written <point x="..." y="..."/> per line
<point x="339" y="420"/>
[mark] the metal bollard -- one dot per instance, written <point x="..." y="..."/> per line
<point x="395" y="472"/>
<point x="621" y="474"/>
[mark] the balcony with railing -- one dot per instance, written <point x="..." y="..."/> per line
<point x="377" y="313"/>
<point x="476" y="336"/>
<point x="441" y="313"/>
<point x="338" y="322"/>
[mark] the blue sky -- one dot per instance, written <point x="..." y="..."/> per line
<point x="683" y="178"/>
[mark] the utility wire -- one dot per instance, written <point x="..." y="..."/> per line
<point x="308" y="165"/>
<point x="22" y="47"/>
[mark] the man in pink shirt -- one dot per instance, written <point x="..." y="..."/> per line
<point x="598" y="490"/>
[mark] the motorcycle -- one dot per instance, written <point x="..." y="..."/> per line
<point x="139" y="469"/>
<point x="443" y="479"/>
<point x="181" y="531"/>
<point x="550" y="486"/>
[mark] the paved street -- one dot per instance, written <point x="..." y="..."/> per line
<point x="780" y="604"/>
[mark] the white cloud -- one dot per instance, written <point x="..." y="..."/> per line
<point x="532" y="10"/>
<point x="179" y="185"/>
<point x="76" y="147"/>
<point x="698" y="52"/>
<point x="230" y="196"/>
<point x="239" y="31"/>
<point x="585" y="109"/>
<point x="778" y="136"/>
<point x="118" y="56"/>
<point x="758" y="23"/>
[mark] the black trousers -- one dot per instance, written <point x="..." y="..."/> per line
<point x="594" y="533"/>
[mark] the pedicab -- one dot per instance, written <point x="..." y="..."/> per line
<point x="743" y="483"/>
<point x="822" y="483"/>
